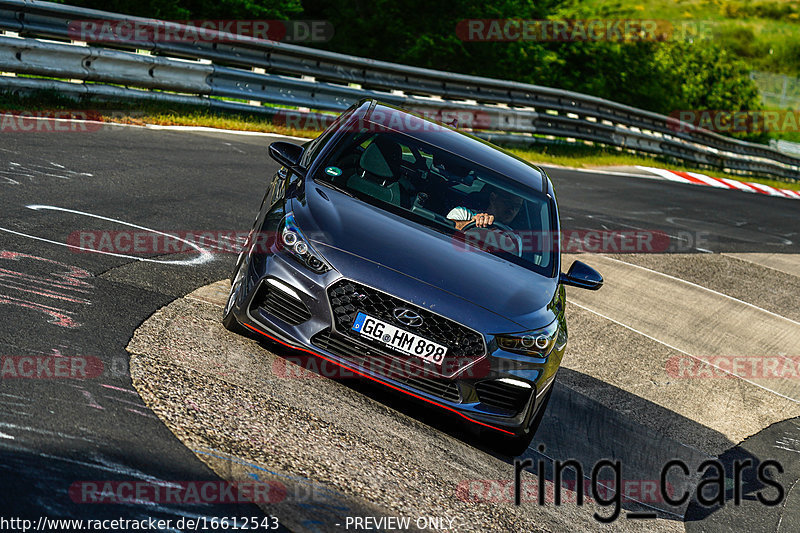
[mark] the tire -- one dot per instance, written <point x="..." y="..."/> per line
<point x="518" y="444"/>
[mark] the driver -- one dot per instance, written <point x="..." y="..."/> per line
<point x="502" y="206"/>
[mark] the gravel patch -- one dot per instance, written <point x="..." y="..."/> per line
<point x="338" y="452"/>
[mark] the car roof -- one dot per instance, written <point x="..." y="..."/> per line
<point x="479" y="151"/>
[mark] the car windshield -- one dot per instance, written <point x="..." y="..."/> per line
<point x="443" y="191"/>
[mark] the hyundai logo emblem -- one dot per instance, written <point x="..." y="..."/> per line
<point x="407" y="317"/>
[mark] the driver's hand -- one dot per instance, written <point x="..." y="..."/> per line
<point x="483" y="220"/>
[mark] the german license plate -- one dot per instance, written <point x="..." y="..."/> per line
<point x="399" y="339"/>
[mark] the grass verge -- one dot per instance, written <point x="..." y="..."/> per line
<point x="569" y="155"/>
<point x="583" y="156"/>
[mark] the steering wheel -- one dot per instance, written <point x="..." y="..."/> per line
<point x="511" y="243"/>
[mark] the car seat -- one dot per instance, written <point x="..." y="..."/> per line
<point x="380" y="173"/>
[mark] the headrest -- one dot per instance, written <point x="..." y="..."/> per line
<point x="381" y="158"/>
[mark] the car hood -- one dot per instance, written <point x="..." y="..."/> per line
<point x="423" y="266"/>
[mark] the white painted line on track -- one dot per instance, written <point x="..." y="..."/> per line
<point x="705" y="289"/>
<point x="782" y="265"/>
<point x="204" y="257"/>
<point x="699" y="359"/>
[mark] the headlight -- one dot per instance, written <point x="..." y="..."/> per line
<point x="293" y="241"/>
<point x="536" y="343"/>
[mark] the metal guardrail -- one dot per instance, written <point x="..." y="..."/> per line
<point x="787" y="147"/>
<point x="285" y="74"/>
<point x="91" y="63"/>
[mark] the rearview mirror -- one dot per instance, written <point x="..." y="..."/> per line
<point x="583" y="276"/>
<point x="287" y="154"/>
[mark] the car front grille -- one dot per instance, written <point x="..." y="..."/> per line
<point x="379" y="360"/>
<point x="347" y="298"/>
<point x="502" y="395"/>
<point x="281" y="305"/>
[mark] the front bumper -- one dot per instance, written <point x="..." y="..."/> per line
<point x="290" y="305"/>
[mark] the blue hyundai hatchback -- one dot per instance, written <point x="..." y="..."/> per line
<point x="409" y="253"/>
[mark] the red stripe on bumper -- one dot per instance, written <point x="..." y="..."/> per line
<point x="378" y="380"/>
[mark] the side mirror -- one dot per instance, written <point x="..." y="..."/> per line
<point x="583" y="276"/>
<point x="288" y="155"/>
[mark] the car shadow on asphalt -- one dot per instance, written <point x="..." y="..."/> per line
<point x="579" y="428"/>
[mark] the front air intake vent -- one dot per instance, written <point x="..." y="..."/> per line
<point x="274" y="301"/>
<point x="502" y="395"/>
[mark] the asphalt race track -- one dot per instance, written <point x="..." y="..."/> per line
<point x="647" y="377"/>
